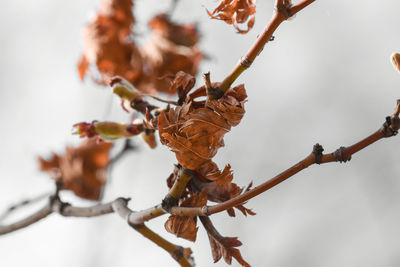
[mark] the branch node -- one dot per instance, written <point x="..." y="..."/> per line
<point x="57" y="205"/>
<point x="178" y="253"/>
<point x="207" y="80"/>
<point x="391" y="126"/>
<point x="317" y="151"/>
<point x="245" y="62"/>
<point x="204" y="210"/>
<point x="125" y="199"/>
<point x="214" y="93"/>
<point x="283" y="8"/>
<point x="168" y="202"/>
<point x="341" y="156"/>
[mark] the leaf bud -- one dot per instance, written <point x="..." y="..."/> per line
<point x="396" y="61"/>
<point x="106" y="131"/>
<point x="125" y="91"/>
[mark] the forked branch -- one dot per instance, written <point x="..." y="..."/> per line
<point x="119" y="206"/>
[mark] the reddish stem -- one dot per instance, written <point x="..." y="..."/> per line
<point x="282" y="13"/>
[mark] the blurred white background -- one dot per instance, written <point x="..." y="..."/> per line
<point x="326" y="78"/>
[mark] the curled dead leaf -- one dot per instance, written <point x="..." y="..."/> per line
<point x="181" y="83"/>
<point x="193" y="134"/>
<point x="209" y="170"/>
<point x="196" y="133"/>
<point x="222" y="246"/>
<point x="230" y="105"/>
<point x="236" y="12"/>
<point x="184" y="226"/>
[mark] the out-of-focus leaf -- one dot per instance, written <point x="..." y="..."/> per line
<point x="171" y="48"/>
<point x="81" y="169"/>
<point x="108" y="44"/>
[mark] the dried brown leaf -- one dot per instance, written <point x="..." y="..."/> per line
<point x="184" y="226"/>
<point x="236" y="12"/>
<point x="185" y="35"/>
<point x="222" y="246"/>
<point x="231" y="105"/>
<point x="182" y="83"/>
<point x="226" y="248"/>
<point x="81" y="169"/>
<point x="209" y="170"/>
<point x="107" y="43"/>
<point x="193" y="134"/>
<point x="171" y="48"/>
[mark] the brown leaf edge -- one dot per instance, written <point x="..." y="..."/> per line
<point x="222" y="246"/>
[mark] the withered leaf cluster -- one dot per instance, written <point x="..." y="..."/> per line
<point x="109" y="44"/>
<point x="236" y="12"/>
<point x="194" y="131"/>
<point x="81" y="169"/>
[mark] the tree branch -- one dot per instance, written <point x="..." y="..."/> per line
<point x="172" y="198"/>
<point x="282" y="12"/>
<point x="22" y="204"/>
<point x="35" y="217"/>
<point x="343" y="154"/>
<point x="180" y="254"/>
<point x="119" y="206"/>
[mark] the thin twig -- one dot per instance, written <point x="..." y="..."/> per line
<point x="180" y="254"/>
<point x="161" y="100"/>
<point x="147" y="214"/>
<point x="35" y="217"/>
<point x="282" y="13"/>
<point x="22" y="204"/>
